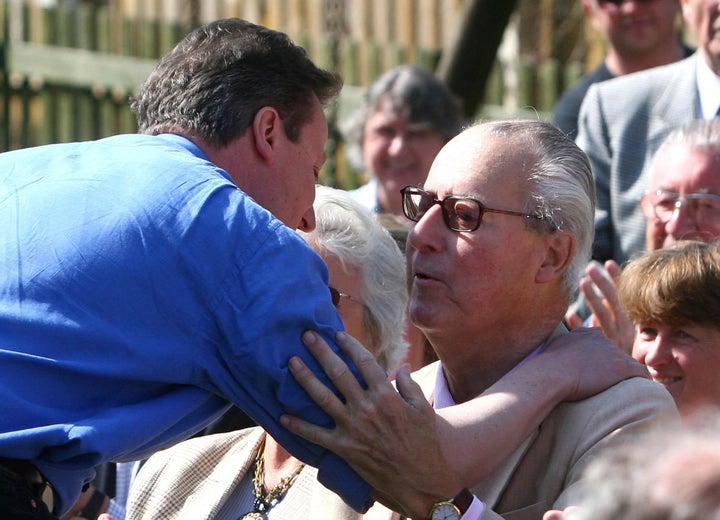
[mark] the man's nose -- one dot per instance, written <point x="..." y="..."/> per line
<point x="308" y="222"/>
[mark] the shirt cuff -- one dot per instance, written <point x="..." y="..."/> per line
<point x="475" y="510"/>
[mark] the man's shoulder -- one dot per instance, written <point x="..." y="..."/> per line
<point x="629" y="400"/>
<point x="655" y="77"/>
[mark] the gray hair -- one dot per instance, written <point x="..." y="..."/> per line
<point x="702" y="135"/>
<point x="355" y="237"/>
<point x="669" y="474"/>
<point x="417" y="94"/>
<point x="562" y="189"/>
<point x="216" y="79"/>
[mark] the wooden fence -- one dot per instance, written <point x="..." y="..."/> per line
<point x="68" y="74"/>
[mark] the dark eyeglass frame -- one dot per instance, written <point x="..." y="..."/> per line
<point x="618" y="3"/>
<point x="447" y="204"/>
<point x="337" y="295"/>
<point x="650" y="207"/>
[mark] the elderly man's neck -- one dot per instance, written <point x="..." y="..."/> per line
<point x="479" y="363"/>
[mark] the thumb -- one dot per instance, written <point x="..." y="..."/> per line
<point x="408" y="388"/>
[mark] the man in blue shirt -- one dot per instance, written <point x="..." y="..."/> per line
<point x="149" y="280"/>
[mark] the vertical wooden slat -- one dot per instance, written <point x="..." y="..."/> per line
<point x="405" y="28"/>
<point x="374" y="62"/>
<point x="381" y="30"/>
<point x="274" y="14"/>
<point x="548" y="84"/>
<point x="525" y="92"/>
<point x="148" y="37"/>
<point x="25" y="99"/>
<point x="428" y="31"/>
<point x="315" y="28"/>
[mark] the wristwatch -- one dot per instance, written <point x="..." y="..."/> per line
<point x="452" y="509"/>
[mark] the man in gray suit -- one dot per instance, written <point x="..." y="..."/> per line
<point x="503" y="227"/>
<point x="624" y="120"/>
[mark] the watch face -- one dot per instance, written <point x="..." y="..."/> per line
<point x="445" y="511"/>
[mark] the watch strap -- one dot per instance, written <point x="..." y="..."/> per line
<point x="463" y="500"/>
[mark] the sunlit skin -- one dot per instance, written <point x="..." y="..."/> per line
<point x="460" y="282"/>
<point x="347" y="279"/>
<point x="641" y="34"/>
<point x="278" y="173"/>
<point x="397" y="153"/>
<point x="685" y="360"/>
<point x="703" y="18"/>
<point x="298" y="172"/>
<point x="682" y="170"/>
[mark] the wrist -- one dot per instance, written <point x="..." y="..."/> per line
<point x="453" y="508"/>
<point x="97" y="503"/>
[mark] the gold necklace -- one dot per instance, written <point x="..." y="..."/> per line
<point x="265" y="501"/>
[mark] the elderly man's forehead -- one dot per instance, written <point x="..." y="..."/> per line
<point x="679" y="163"/>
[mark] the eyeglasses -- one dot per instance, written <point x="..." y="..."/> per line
<point x="459" y="213"/>
<point x="336" y="295"/>
<point x="702" y="208"/>
<point x="618" y="3"/>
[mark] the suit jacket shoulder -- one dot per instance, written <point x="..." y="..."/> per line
<point x="622" y="122"/>
<point x="545" y="470"/>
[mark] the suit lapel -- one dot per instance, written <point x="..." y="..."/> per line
<point x="672" y="107"/>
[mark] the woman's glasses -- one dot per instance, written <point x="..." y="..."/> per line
<point x="337" y="295"/>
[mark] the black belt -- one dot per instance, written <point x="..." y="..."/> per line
<point x="24" y="471"/>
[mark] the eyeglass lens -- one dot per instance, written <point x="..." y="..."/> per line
<point x="701" y="207"/>
<point x="459" y="213"/>
<point x="335" y="295"/>
<point x="618" y="3"/>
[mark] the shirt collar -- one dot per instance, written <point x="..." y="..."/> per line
<point x="708" y="84"/>
<point x="442" y="397"/>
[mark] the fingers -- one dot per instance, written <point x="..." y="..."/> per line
<point x="573" y="321"/>
<point x="594" y="300"/>
<point x="606" y="283"/>
<point x="308" y="431"/>
<point x="408" y="388"/>
<point x="614" y="269"/>
<point x="316" y="389"/>
<point x="333" y="366"/>
<point x="363" y="359"/>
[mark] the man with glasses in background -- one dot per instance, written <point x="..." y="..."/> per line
<point x="624" y="120"/>
<point x="682" y="203"/>
<point x="638" y="35"/>
<point x="502" y="229"/>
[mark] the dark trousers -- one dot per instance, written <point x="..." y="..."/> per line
<point x="21" y="498"/>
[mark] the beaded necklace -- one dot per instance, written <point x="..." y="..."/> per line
<point x="265" y="501"/>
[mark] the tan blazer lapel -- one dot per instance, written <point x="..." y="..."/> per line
<point x="490" y="490"/>
<point x="207" y="499"/>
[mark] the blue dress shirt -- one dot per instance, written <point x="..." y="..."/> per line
<point x="140" y="291"/>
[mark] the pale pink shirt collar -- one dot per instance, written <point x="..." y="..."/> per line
<point x="442" y="399"/>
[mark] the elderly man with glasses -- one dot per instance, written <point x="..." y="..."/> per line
<point x="682" y="203"/>
<point x="502" y="228"/>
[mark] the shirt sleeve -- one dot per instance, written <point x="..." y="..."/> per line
<point x="475" y="510"/>
<point x="276" y="289"/>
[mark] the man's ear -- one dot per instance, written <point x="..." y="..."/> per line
<point x="267" y="128"/>
<point x="559" y="251"/>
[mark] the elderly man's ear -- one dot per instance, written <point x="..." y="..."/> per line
<point x="559" y="251"/>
